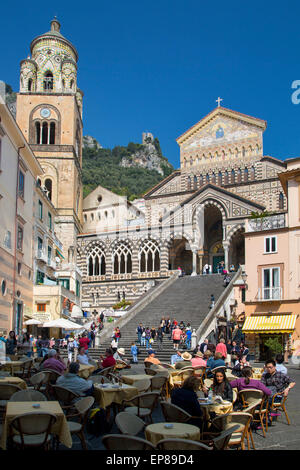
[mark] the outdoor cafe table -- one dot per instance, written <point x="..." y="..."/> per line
<point x="133" y="378"/>
<point x="14" y="381"/>
<point x="85" y="370"/>
<point x="12" y="366"/>
<point x="216" y="407"/>
<point x="60" y="428"/>
<point x="106" y="395"/>
<point x="157" y="431"/>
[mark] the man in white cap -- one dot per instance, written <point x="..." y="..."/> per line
<point x="119" y="357"/>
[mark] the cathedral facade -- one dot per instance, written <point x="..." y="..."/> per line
<point x="197" y="215"/>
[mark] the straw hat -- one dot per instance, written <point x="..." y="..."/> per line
<point x="199" y="354"/>
<point x="121" y="351"/>
<point x="186" y="356"/>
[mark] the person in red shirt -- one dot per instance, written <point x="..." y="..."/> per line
<point x="84" y="342"/>
<point x="221" y="347"/>
<point x="108" y="361"/>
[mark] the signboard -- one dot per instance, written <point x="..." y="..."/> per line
<point x="42" y="316"/>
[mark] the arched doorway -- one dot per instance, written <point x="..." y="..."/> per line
<point x="213" y="236"/>
<point x="180" y="254"/>
<point x="237" y="249"/>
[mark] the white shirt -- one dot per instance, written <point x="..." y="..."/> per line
<point x="281" y="368"/>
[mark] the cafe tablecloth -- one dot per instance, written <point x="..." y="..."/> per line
<point x="105" y="396"/>
<point x="85" y="370"/>
<point x="60" y="428"/>
<point x="156" y="432"/>
<point x="14" y="381"/>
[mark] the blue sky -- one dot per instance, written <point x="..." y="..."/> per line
<point x="159" y="66"/>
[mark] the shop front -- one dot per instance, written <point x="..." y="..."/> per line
<point x="268" y="335"/>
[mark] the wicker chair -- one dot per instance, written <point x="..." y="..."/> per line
<point x="33" y="430"/>
<point x="105" y="371"/>
<point x="141" y="405"/>
<point x="150" y="371"/>
<point x="38" y="380"/>
<point x="167" y="366"/>
<point x="221" y="441"/>
<point x="6" y="391"/>
<point x="173" y="413"/>
<point x="121" y="442"/>
<point x="129" y="424"/>
<point x="66" y="399"/>
<point x="274" y="407"/>
<point x="148" y="364"/>
<point x="182" y="375"/>
<point x="250" y="396"/>
<point x="224" y="422"/>
<point x="252" y="410"/>
<point x="159" y="384"/>
<point x="50" y="380"/>
<point x="82" y="407"/>
<point x="143" y="385"/>
<point x="25" y="369"/>
<point x="181" y="444"/>
<point x="28" y="395"/>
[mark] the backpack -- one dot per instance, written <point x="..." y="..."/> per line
<point x="96" y="423"/>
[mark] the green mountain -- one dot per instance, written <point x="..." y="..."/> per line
<point x="128" y="171"/>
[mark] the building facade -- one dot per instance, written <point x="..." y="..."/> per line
<point x="197" y="215"/>
<point x="272" y="305"/>
<point x="19" y="170"/>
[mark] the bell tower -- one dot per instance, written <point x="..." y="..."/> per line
<point x="49" y="113"/>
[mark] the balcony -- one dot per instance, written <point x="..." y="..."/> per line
<point x="41" y="255"/>
<point x="52" y="264"/>
<point x="266" y="223"/>
<point x="269" y="294"/>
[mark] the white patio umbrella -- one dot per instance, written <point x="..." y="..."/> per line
<point x="32" y="321"/>
<point x="62" y="323"/>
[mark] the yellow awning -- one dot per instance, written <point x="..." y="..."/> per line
<point x="272" y="324"/>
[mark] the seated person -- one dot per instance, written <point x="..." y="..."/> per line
<point x="186" y="362"/>
<point x="120" y="359"/>
<point x="54" y="362"/>
<point x="187" y="399"/>
<point x="107" y="361"/>
<point x="176" y="357"/>
<point x="197" y="360"/>
<point x="83" y="358"/>
<point x="276" y="381"/>
<point x="279" y="364"/>
<point x="220" y="386"/>
<point x="239" y="365"/>
<point x="246" y="381"/>
<point x="213" y="362"/>
<point x="75" y="383"/>
<point x="151" y="357"/>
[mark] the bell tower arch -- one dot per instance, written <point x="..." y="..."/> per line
<point x="49" y="113"/>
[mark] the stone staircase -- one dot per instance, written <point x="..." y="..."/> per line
<point x="186" y="299"/>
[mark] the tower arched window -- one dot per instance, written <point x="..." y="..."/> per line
<point x="45" y="133"/>
<point x="71" y="84"/>
<point x="232" y="176"/>
<point x="48" y="81"/>
<point x="52" y="133"/>
<point x="30" y="84"/>
<point x="213" y="178"/>
<point x="226" y="178"/>
<point x="281" y="201"/>
<point x="243" y="152"/>
<point x="200" y="180"/>
<point x="252" y="173"/>
<point x="195" y="182"/>
<point x="149" y="256"/>
<point x="48" y="186"/>
<point x="246" y="174"/>
<point x="207" y="178"/>
<point x="96" y="265"/>
<point x="220" y="178"/>
<point x="37" y="132"/>
<point x="239" y="176"/>
<point x="122" y="259"/>
<point x="189" y="183"/>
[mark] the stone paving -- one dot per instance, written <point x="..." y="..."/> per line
<point x="280" y="435"/>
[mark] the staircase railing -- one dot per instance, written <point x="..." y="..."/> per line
<point x="213" y="312"/>
<point x="108" y="330"/>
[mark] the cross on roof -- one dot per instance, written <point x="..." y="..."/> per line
<point x="219" y="101"/>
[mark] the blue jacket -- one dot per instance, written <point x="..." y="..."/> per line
<point x="134" y="350"/>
